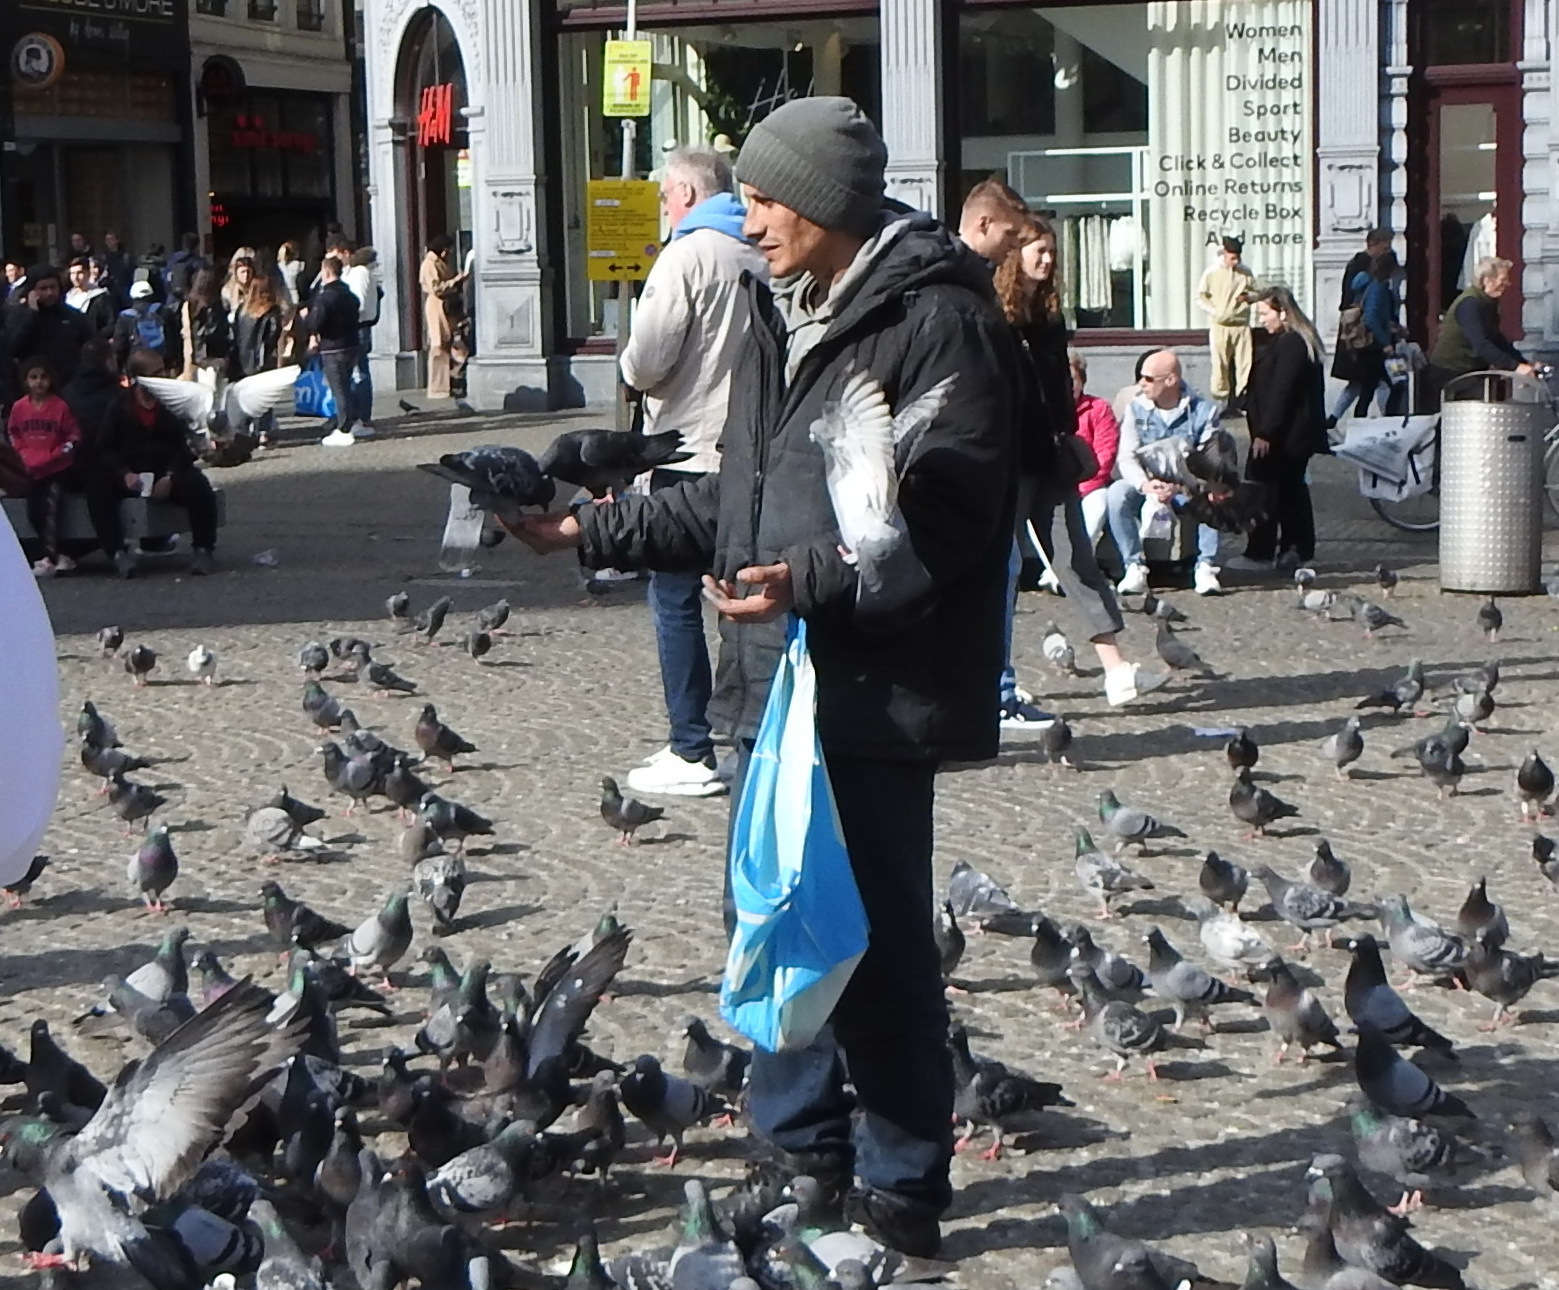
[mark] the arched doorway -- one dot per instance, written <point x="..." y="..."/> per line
<point x="433" y="159"/>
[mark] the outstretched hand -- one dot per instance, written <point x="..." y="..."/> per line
<point x="545" y="534"/>
<point x="774" y="595"/>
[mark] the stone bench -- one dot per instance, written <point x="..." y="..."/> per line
<point x="142" y="517"/>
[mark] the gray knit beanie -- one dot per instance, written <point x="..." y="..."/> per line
<point x="822" y="158"/>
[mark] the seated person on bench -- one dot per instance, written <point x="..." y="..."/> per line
<point x="141" y="437"/>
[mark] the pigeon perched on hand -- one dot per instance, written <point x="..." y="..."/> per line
<point x="625" y="814"/>
<point x="139" y="663"/>
<point x="605" y="462"/>
<point x="501" y="479"/>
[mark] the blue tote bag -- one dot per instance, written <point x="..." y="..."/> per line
<point x="311" y="396"/>
<point x="800" y="924"/>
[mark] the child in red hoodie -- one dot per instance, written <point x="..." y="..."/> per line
<point x="45" y="436"/>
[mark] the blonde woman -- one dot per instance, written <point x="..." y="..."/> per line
<point x="438" y="282"/>
<point x="240" y="273"/>
<point x="289" y="268"/>
<point x="1286" y="411"/>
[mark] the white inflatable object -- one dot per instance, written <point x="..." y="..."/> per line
<point x="31" y="739"/>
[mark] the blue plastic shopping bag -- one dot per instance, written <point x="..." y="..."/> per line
<point x="311" y="396"/>
<point x="800" y="924"/>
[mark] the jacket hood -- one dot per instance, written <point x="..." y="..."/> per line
<point x="913" y="250"/>
<point x="364" y="255"/>
<point x="722" y="212"/>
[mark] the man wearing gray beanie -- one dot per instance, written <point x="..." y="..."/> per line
<point x="875" y="309"/>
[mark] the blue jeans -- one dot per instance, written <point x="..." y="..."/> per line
<point x="362" y="380"/>
<point x="1124" y="504"/>
<point x="1008" y="692"/>
<point x="677" y="605"/>
<point x="887" y="1038"/>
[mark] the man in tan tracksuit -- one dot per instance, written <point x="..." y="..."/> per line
<point x="1225" y="296"/>
<point x="688" y="328"/>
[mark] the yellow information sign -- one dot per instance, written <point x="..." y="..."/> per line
<point x="625" y="80"/>
<point x="622" y="228"/>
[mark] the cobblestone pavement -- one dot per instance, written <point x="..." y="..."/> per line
<point x="1221" y="1145"/>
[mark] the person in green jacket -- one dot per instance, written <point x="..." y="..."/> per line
<point x="1470" y="339"/>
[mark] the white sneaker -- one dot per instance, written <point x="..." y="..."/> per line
<point x="674" y="776"/>
<point x="1022" y="695"/>
<point x="1136" y="580"/>
<point x="338" y="439"/>
<point x="1049" y="583"/>
<point x="362" y="430"/>
<point x="1206" y="580"/>
<point x="1244" y="564"/>
<point x="1130" y="681"/>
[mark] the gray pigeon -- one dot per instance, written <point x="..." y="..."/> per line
<point x="1371" y="1001"/>
<point x="1421" y="946"/>
<point x="1404" y="692"/>
<point x="427" y="624"/>
<point x="1344" y="747"/>
<point x="1130" y="827"/>
<point x="1116" y="976"/>
<point x="153" y="1019"/>
<point x="1328" y="872"/>
<point x="158" y="1122"/>
<point x="1372" y="618"/>
<point x="313" y="659"/>
<point x="1503" y="976"/>
<point x="452" y="822"/>
<point x="95" y="728"/>
<point x="285" y="1266"/>
<point x="322" y="709"/>
<point x="1187" y="987"/>
<point x="105" y="763"/>
<point x="625" y="814"/>
<point x="1105" y="1261"/>
<point x="109" y="640"/>
<point x="1308" y="908"/>
<point x="440" y="881"/>
<point x="1116" y="1025"/>
<point x="1481" y="916"/>
<point x="398" y="606"/>
<point x="493" y="617"/>
<point x="977" y="895"/>
<point x="1441" y="765"/>
<point x="1395" y="1085"/>
<point x="1296" y="1016"/>
<point x="1534" y="786"/>
<point x="1537" y="1153"/>
<point x="1222" y="881"/>
<point x="271" y="833"/>
<point x="1253" y="805"/>
<point x="1104" y="875"/>
<point x="140" y="662"/>
<point x="1176" y="654"/>
<point x="381" y="941"/>
<point x="502" y="479"/>
<point x="131" y="801"/>
<point x="1409" y="1152"/>
<point x="384" y="679"/>
<point x="477" y="644"/>
<point x="1371" y="1239"/>
<point x="153" y="868"/>
<point x="489" y="1179"/>
<point x="666" y="1104"/>
<point x="357" y="777"/>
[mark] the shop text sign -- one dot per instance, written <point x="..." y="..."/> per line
<point x="625" y="82"/>
<point x="622" y="228"/>
<point x="436" y="115"/>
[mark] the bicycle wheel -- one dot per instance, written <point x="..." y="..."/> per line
<point x="1551" y="475"/>
<point x="1420" y="514"/>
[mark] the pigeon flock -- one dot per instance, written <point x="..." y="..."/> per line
<point x="343" y="1082"/>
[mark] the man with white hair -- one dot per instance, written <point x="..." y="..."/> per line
<point x="688" y="328"/>
<point x="1470" y="339"/>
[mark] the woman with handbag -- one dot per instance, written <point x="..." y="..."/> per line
<point x="207" y="332"/>
<point x="1055" y="460"/>
<point x="1366" y="331"/>
<point x="439" y="283"/>
<point x="257" y="341"/>
<point x="1286" y="415"/>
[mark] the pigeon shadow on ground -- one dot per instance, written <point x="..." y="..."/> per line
<point x="665" y="989"/>
<point x="496" y="917"/>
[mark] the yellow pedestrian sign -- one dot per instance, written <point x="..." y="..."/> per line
<point x="622" y="228"/>
<point x="625" y="83"/>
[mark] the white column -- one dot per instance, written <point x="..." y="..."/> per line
<point x="1348" y="130"/>
<point x="510" y="368"/>
<point x="912" y="101"/>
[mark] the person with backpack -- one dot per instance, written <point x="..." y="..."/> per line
<point x="183" y="266"/>
<point x="147" y="325"/>
<point x="1366" y="331"/>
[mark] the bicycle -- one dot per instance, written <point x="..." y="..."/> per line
<point x="1420" y="513"/>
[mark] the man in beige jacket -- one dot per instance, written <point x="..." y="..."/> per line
<point x="1225" y="296"/>
<point x="688" y="328"/>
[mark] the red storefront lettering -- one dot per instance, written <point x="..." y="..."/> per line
<point x="436" y="115"/>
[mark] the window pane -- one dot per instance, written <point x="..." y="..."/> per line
<point x="1465" y="31"/>
<point x="1147" y="133"/>
<point x="709" y="81"/>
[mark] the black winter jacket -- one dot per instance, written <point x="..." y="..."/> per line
<point x="1285" y="399"/>
<point x="94" y="395"/>
<point x="255" y="342"/>
<point x="911" y="672"/>
<point x="333" y="317"/>
<point x="55" y="334"/>
<point x="130" y="446"/>
<point x="1047" y="411"/>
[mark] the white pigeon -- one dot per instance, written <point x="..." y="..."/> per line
<point x="224" y="411"/>
<point x="1058" y="650"/>
<point x="202" y="663"/>
<point x="865" y="451"/>
<point x="1229" y="940"/>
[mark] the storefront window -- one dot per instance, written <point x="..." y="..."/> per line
<point x="1147" y="132"/>
<point x="710" y="81"/>
<point x="1457" y="32"/>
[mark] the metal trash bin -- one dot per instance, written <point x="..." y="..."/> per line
<point x="1491" y="483"/>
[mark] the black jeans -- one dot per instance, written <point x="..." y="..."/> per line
<point x="1056" y="512"/>
<point x="888" y="1035"/>
<point x="190" y="489"/>
<point x="1289" y="524"/>
<point x="338" y="366"/>
<point x="45" y="498"/>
